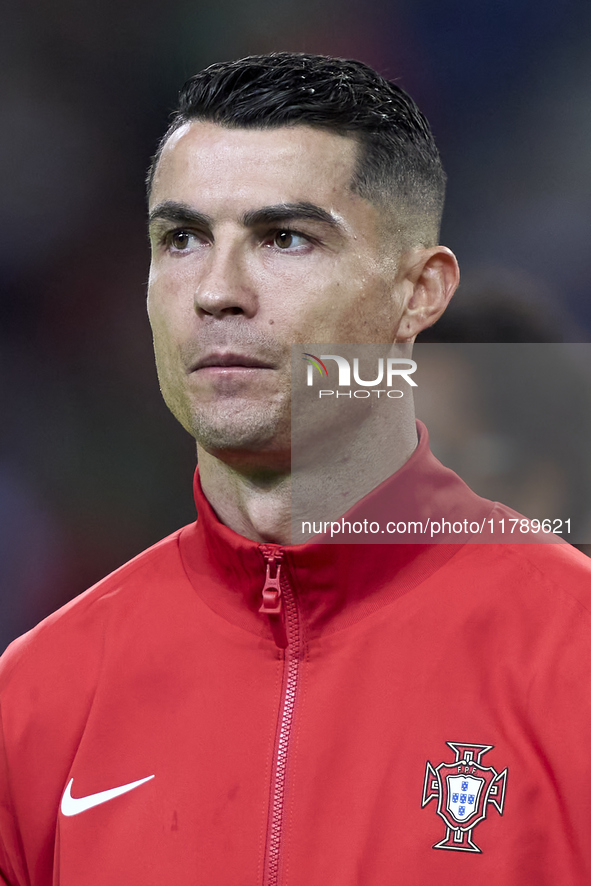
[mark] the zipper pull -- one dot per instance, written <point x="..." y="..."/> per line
<point x="271" y="604"/>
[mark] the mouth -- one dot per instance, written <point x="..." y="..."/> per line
<point x="230" y="361"/>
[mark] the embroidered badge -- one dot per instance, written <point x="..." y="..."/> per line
<point x="464" y="790"/>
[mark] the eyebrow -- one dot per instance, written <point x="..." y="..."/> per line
<point x="179" y="213"/>
<point x="282" y="212"/>
<point x="182" y="213"/>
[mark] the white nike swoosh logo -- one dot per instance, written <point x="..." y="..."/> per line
<point x="74" y="805"/>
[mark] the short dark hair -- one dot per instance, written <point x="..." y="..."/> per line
<point x="398" y="167"/>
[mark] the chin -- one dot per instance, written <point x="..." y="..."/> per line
<point x="241" y="430"/>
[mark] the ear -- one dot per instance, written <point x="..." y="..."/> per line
<point x="427" y="278"/>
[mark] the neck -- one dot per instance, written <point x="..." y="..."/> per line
<point x="328" y="473"/>
<point x="254" y="503"/>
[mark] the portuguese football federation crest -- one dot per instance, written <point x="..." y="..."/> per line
<point x="464" y="791"/>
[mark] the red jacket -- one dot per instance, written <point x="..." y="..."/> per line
<point x="414" y="714"/>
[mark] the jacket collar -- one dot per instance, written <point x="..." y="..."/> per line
<point x="335" y="584"/>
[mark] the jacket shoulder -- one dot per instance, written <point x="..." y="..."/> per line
<point x="557" y="572"/>
<point x="75" y="633"/>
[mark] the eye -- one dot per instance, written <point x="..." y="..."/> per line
<point x="179" y="240"/>
<point x="286" y="239"/>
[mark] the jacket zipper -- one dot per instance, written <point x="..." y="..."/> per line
<point x="278" y="598"/>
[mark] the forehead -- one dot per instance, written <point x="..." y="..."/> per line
<point x="204" y="162"/>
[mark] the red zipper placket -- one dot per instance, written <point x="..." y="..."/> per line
<point x="279" y="603"/>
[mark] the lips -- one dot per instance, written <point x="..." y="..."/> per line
<point x="231" y="361"/>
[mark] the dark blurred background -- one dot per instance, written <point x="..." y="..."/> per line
<point x="92" y="467"/>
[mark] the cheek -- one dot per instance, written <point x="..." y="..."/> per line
<point x="374" y="313"/>
<point x="355" y="303"/>
<point x="165" y="363"/>
<point x="171" y="285"/>
<point x="157" y="322"/>
<point x="353" y="313"/>
<point x="170" y="311"/>
<point x="166" y="349"/>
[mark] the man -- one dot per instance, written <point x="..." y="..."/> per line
<point x="228" y="708"/>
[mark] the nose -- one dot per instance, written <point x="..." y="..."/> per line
<point x="225" y="287"/>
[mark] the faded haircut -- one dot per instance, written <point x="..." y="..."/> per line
<point x="398" y="165"/>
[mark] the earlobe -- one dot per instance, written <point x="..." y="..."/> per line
<point x="431" y="277"/>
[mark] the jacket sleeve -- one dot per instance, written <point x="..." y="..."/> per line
<point x="12" y="867"/>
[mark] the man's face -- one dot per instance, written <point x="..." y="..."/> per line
<point x="258" y="242"/>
